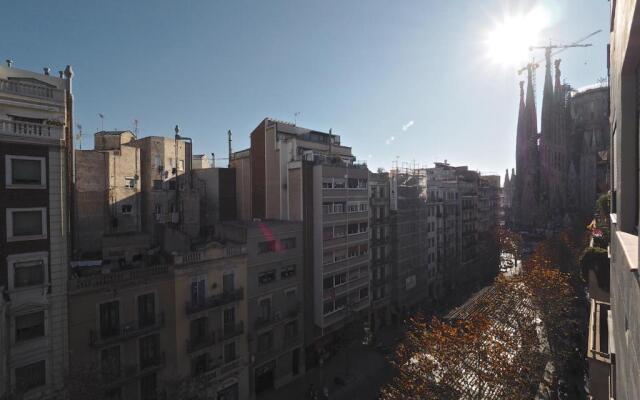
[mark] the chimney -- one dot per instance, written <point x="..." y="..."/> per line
<point x="9" y="62"/>
<point x="46" y="70"/>
<point x="61" y="74"/>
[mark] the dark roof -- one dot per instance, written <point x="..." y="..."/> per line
<point x="114" y="133"/>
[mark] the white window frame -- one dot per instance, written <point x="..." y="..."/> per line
<point x="9" y="215"/>
<point x="16" y="258"/>
<point x="9" y="172"/>
<point x="45" y="320"/>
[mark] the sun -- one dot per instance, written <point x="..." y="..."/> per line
<point x="508" y="43"/>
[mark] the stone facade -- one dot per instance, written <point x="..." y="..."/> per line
<point x="35" y="143"/>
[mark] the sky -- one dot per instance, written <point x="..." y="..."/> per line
<point x="397" y="80"/>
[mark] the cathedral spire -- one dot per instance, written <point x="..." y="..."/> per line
<point x="558" y="85"/>
<point x="531" y="115"/>
<point x="547" y="99"/>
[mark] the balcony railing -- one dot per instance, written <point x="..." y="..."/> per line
<point x="119" y="277"/>
<point x="230" y="330"/>
<point x="30" y="130"/>
<point x="132" y="371"/>
<point x="126" y="330"/>
<point x="216" y="300"/>
<point x="195" y="344"/>
<point x="156" y="360"/>
<point x="29" y="90"/>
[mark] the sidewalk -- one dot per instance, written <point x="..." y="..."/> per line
<point x="369" y="370"/>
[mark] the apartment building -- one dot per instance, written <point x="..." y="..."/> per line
<point x="468" y="205"/>
<point x="409" y="241"/>
<point x="624" y="78"/>
<point x="305" y="175"/>
<point x="35" y="153"/>
<point x="274" y="299"/>
<point x="380" y="248"/>
<point x="211" y="326"/>
<point x="172" y="328"/>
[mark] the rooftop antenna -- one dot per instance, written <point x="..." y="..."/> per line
<point x="229" y="135"/>
<point x="79" y="135"/>
<point x="295" y="118"/>
<point x="135" y="126"/>
<point x="101" y="116"/>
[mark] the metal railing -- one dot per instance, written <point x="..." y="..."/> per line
<point x="195" y="344"/>
<point x="31" y="130"/>
<point x="127" y="276"/>
<point x="230" y="330"/>
<point x="214" y="301"/>
<point x="30" y="90"/>
<point x="127" y="330"/>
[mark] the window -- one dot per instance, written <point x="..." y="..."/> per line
<point x="339" y="231"/>
<point x="364" y="292"/>
<point x="364" y="207"/>
<point x="30" y="376"/>
<point x="29" y="326"/>
<point x="109" y="319"/>
<point x="288" y="243"/>
<point x="291" y="330"/>
<point x="362" y="227"/>
<point x="229" y="352"/>
<point x="26" y="224"/>
<point x="353" y="229"/>
<point x="267" y="277"/>
<point x="228" y="282"/>
<point x="327" y="233"/>
<point x="149" y="351"/>
<point x="265" y="341"/>
<point x="340" y="279"/>
<point x="267" y="247"/>
<point x="199" y="329"/>
<point x="229" y="316"/>
<point x="328" y="307"/>
<point x="180" y="165"/>
<point x="24" y="172"/>
<point x="340" y="255"/>
<point x="353" y="251"/>
<point x="126" y="208"/>
<point x="327" y="283"/>
<point x="148" y="387"/>
<point x="28" y="273"/>
<point x="338" y="208"/>
<point x="339" y="183"/>
<point x="200" y="364"/>
<point x="110" y="362"/>
<point x="146" y="310"/>
<point x="198" y="291"/>
<point x="353" y="183"/>
<point x="352" y="207"/>
<point x="341" y="302"/>
<point x="130" y="183"/>
<point x="265" y="309"/>
<point x="327" y="258"/>
<point x="288" y="271"/>
<point x="327" y="183"/>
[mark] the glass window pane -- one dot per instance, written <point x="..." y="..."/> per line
<point x="27" y="223"/>
<point x="26" y="172"/>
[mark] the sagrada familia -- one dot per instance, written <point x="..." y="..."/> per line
<point x="561" y="170"/>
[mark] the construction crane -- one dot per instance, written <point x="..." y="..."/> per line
<point x="560" y="48"/>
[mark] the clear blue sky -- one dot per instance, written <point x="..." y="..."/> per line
<point x="363" y="68"/>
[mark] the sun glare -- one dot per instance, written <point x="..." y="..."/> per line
<point x="508" y="43"/>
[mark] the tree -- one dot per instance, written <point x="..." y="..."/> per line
<point x="500" y="345"/>
<point x="509" y="243"/>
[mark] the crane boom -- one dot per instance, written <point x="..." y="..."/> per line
<point x="560" y="48"/>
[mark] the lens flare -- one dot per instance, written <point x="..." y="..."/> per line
<point x="508" y="43"/>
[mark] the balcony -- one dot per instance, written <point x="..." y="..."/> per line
<point x="30" y="90"/>
<point x="130" y="372"/>
<point x="125" y="331"/>
<point x="30" y="130"/>
<point x="199" y="343"/>
<point x="216" y="300"/>
<point x="231" y="330"/>
<point x="128" y="277"/>
<point x="598" y="340"/>
<point x="266" y="320"/>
